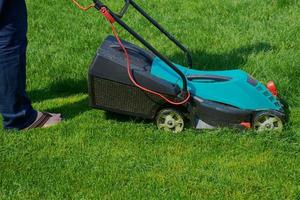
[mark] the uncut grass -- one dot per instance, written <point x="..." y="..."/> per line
<point x="94" y="154"/>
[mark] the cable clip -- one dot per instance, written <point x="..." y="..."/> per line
<point x="107" y="15"/>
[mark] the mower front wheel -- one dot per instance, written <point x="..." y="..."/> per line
<point x="170" y="120"/>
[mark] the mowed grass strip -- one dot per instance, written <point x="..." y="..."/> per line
<point x="94" y="154"/>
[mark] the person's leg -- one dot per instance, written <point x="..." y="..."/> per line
<point x="15" y="106"/>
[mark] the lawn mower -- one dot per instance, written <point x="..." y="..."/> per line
<point x="127" y="79"/>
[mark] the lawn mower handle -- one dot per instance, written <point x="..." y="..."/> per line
<point x="117" y="18"/>
<point x="99" y="4"/>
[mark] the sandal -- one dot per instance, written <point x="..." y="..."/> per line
<point x="41" y="121"/>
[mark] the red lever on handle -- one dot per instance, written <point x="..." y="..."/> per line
<point x="107" y="15"/>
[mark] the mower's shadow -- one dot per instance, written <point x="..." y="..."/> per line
<point x="236" y="58"/>
<point x="69" y="111"/>
<point x="58" y="89"/>
<point x="125" y="118"/>
<point x="63" y="89"/>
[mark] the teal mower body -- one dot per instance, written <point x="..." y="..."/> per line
<point x="231" y="87"/>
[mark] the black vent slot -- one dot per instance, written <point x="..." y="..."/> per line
<point x="266" y="93"/>
<point x="271" y="98"/>
<point x="259" y="88"/>
<point x="252" y="81"/>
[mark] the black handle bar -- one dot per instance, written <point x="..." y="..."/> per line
<point x="215" y="78"/>
<point x="117" y="17"/>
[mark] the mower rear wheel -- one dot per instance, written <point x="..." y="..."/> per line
<point x="170" y="120"/>
<point x="266" y="121"/>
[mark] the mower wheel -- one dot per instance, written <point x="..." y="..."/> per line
<point x="266" y="121"/>
<point x="170" y="120"/>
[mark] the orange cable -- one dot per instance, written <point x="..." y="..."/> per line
<point x="82" y="7"/>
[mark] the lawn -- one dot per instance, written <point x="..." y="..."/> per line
<point x="99" y="155"/>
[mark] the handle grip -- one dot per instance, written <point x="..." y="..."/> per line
<point x="124" y="9"/>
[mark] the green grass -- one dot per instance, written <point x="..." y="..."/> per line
<point x="93" y="154"/>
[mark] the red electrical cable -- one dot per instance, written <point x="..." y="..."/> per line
<point x="130" y="72"/>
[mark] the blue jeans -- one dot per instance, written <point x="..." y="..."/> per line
<point x="15" y="106"/>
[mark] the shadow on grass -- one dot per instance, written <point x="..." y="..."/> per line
<point x="236" y="58"/>
<point x="125" y="118"/>
<point x="64" y="88"/>
<point x="69" y="111"/>
<point x="59" y="88"/>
